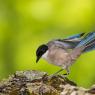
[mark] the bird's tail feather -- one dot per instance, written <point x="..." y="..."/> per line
<point x="88" y="42"/>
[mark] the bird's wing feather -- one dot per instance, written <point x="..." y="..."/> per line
<point x="70" y="42"/>
<point x="74" y="38"/>
<point x="88" y="42"/>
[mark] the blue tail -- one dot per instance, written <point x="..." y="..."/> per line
<point x="88" y="41"/>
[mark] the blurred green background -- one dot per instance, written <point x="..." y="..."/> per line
<point x="25" y="24"/>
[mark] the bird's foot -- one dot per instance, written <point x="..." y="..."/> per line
<point x="56" y="76"/>
<point x="52" y="76"/>
<point x="63" y="76"/>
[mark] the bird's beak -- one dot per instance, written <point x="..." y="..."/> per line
<point x="37" y="59"/>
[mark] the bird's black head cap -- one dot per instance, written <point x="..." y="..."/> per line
<point x="40" y="51"/>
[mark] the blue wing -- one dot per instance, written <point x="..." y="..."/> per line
<point x="88" y="41"/>
<point x="75" y="37"/>
<point x="83" y="39"/>
<point x="70" y="42"/>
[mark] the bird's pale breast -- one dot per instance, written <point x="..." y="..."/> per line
<point x="58" y="57"/>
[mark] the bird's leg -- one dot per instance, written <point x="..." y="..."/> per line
<point x="68" y="71"/>
<point x="64" y="75"/>
<point x="56" y="73"/>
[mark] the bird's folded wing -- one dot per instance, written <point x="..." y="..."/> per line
<point x="75" y="38"/>
<point x="70" y="42"/>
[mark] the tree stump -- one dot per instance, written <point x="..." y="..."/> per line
<point x="40" y="83"/>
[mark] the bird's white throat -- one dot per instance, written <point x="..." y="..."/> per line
<point x="45" y="55"/>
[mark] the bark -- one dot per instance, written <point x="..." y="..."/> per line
<point x="40" y="83"/>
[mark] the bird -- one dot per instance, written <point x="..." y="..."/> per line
<point x="64" y="52"/>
